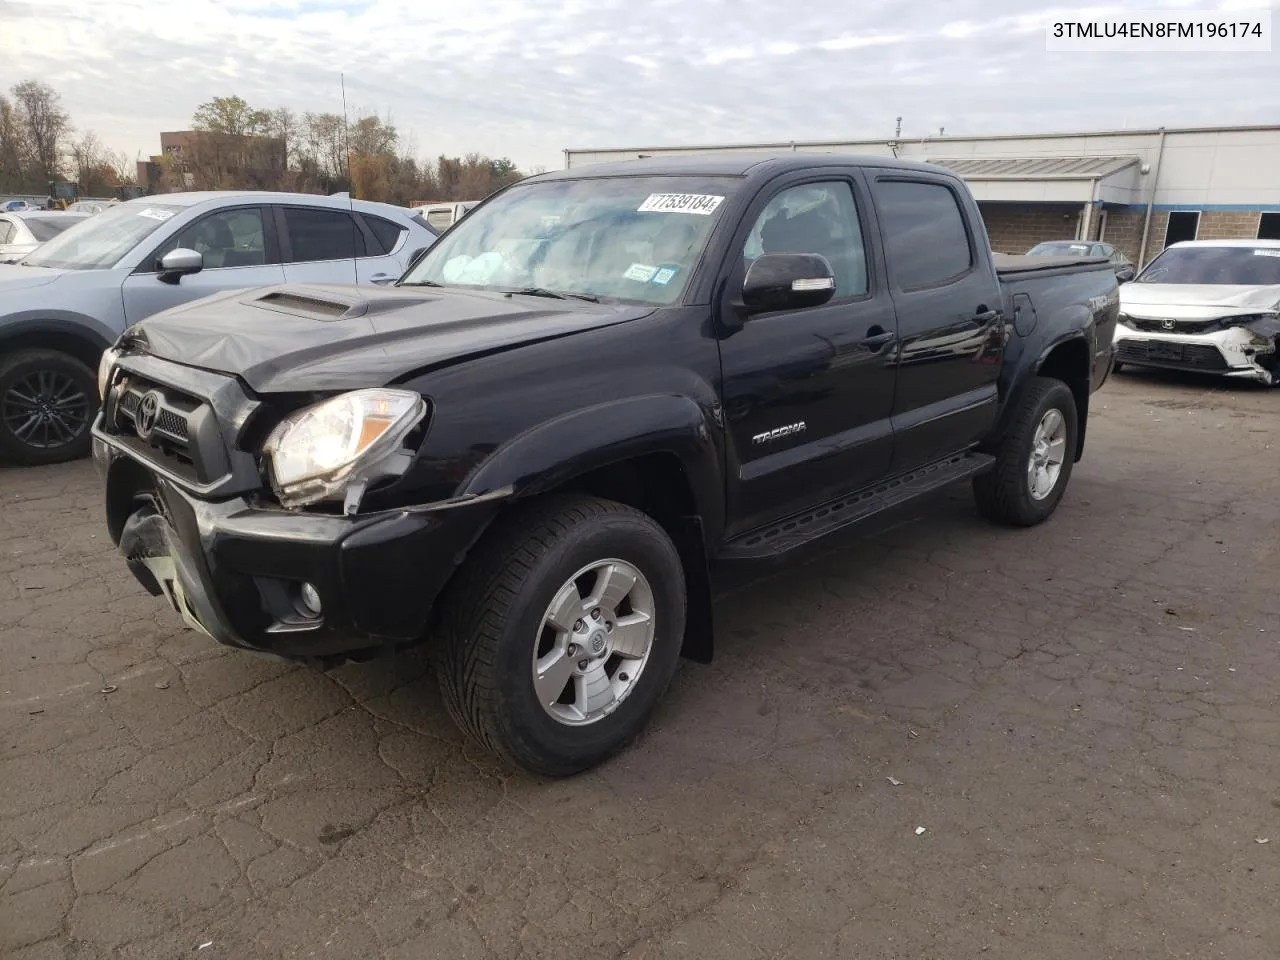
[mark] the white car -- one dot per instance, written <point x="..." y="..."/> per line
<point x="22" y="231"/>
<point x="1205" y="305"/>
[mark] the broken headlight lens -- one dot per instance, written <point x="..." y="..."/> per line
<point x="333" y="449"/>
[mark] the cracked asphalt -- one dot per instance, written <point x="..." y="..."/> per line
<point x="1082" y="717"/>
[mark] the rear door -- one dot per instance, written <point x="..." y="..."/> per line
<point x="808" y="393"/>
<point x="319" y="244"/>
<point x="949" y="308"/>
<point x="385" y="244"/>
<point x="239" y="250"/>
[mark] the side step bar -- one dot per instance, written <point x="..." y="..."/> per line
<point x="795" y="531"/>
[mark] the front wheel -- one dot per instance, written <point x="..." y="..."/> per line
<point x="1033" y="463"/>
<point x="48" y="400"/>
<point x="562" y="632"/>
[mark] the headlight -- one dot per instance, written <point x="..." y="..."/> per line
<point x="108" y="360"/>
<point x="1126" y="320"/>
<point x="334" y="448"/>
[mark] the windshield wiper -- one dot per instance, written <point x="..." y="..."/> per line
<point x="419" y="283"/>
<point x="535" y="292"/>
<point x="552" y="294"/>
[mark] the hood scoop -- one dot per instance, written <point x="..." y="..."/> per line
<point x="326" y="305"/>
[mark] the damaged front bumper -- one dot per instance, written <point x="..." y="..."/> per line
<point x="288" y="584"/>
<point x="1245" y="351"/>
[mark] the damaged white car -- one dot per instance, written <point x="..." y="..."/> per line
<point x="1206" y="305"/>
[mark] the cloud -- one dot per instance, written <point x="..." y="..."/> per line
<point x="527" y="78"/>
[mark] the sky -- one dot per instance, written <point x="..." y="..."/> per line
<point x="527" y="78"/>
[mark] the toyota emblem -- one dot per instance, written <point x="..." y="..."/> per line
<point x="1167" y="323"/>
<point x="148" y="412"/>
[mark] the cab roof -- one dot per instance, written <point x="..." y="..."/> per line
<point x="733" y="165"/>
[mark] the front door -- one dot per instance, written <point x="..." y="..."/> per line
<point x="808" y="394"/>
<point x="238" y="251"/>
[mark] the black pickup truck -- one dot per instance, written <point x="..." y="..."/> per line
<point x="531" y="448"/>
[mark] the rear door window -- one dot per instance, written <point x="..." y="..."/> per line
<point x="385" y="232"/>
<point x="926" y="241"/>
<point x="6" y="231"/>
<point x="316" y="234"/>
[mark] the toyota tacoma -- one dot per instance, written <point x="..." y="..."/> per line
<point x="530" y="449"/>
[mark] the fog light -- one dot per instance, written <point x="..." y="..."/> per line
<point x="310" y="598"/>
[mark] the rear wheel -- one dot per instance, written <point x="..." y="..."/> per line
<point x="562" y="632"/>
<point x="48" y="400"/>
<point x="1033" y="463"/>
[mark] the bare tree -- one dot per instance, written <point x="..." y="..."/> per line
<point x="14" y="149"/>
<point x="89" y="155"/>
<point x="45" y="124"/>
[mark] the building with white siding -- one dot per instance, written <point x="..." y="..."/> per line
<point x="1137" y="189"/>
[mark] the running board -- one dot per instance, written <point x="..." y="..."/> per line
<point x="802" y="528"/>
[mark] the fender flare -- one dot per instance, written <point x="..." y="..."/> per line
<point x="1029" y="370"/>
<point x="65" y="324"/>
<point x="547" y="455"/>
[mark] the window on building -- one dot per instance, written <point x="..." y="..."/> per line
<point x="924" y="233"/>
<point x="1269" y="226"/>
<point x="1183" y="225"/>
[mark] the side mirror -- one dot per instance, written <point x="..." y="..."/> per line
<point x="1125" y="274"/>
<point x="176" y="264"/>
<point x="788" y="281"/>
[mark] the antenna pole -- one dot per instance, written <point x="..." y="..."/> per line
<point x="346" y="135"/>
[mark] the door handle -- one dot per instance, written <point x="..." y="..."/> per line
<point x="984" y="315"/>
<point x="877" y="336"/>
<point x="382" y="278"/>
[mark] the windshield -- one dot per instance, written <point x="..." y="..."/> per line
<point x="1060" y="248"/>
<point x="46" y="228"/>
<point x="98" y="242"/>
<point x="623" y="238"/>
<point x="1235" y="266"/>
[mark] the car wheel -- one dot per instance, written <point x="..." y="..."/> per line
<point x="1034" y="460"/>
<point x="562" y="632"/>
<point x="48" y="400"/>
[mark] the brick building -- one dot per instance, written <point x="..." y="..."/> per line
<point x="1137" y="189"/>
<point x="202" y="160"/>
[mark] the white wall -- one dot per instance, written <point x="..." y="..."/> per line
<point x="1200" y="167"/>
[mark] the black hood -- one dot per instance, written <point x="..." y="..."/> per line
<point x="305" y="338"/>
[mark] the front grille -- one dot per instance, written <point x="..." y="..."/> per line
<point x="1181" y="356"/>
<point x="1180" y="326"/>
<point x="167" y="434"/>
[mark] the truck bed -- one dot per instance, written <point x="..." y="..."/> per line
<point x="1010" y="266"/>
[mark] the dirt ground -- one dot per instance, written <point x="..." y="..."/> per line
<point x="1082" y="717"/>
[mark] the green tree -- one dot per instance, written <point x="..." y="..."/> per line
<point x="230" y="115"/>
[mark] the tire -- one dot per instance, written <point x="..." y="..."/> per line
<point x="1004" y="494"/>
<point x="57" y="389"/>
<point x="493" y="629"/>
<point x="1117" y="366"/>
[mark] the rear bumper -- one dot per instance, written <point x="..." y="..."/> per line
<point x="235" y="571"/>
<point x="1235" y="352"/>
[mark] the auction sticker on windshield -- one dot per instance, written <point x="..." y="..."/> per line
<point x="640" y="271"/>
<point x="151" y="214"/>
<point x="1266" y="253"/>
<point x="703" y="204"/>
